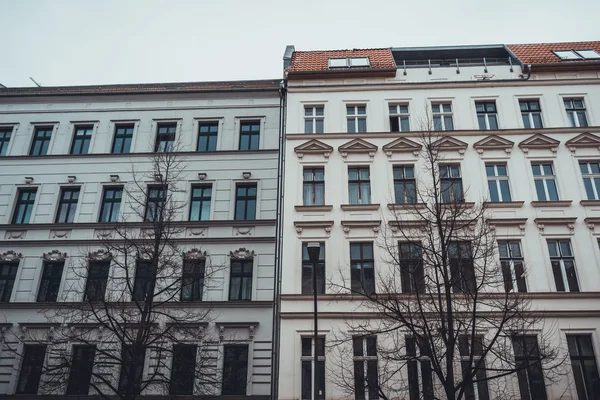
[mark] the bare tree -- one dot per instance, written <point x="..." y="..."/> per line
<point x="444" y="321"/>
<point x="134" y="326"/>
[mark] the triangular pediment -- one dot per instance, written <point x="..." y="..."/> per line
<point x="494" y="142"/>
<point x="449" y="143"/>
<point x="539" y="141"/>
<point x="402" y="145"/>
<point x="313" y="146"/>
<point x="586" y="139"/>
<point x="357" y="146"/>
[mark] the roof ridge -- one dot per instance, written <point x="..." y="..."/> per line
<point x="329" y="51"/>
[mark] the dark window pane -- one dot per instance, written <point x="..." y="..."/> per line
<point x="123" y="137"/>
<point x="96" y="281"/>
<point x="67" y="205"/>
<point x="24" y="206"/>
<point x="31" y="369"/>
<point x="81" y="369"/>
<point x="132" y="368"/>
<point x="235" y="369"/>
<point x="50" y="282"/>
<point x="183" y="369"/>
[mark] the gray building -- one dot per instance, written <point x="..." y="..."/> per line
<point x="68" y="159"/>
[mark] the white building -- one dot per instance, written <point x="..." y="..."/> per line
<point x="67" y="153"/>
<point x="528" y="114"/>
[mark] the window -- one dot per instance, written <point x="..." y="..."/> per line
<point x="411" y="267"/>
<point x="249" y="135"/>
<point x="349" y="62"/>
<point x="5" y="134"/>
<point x="192" y="280"/>
<point x="24" y="206"/>
<point x="132" y="368"/>
<point x="235" y="369"/>
<point x="8" y="273"/>
<point x="588" y="54"/>
<point x="81" y="369"/>
<point x="442" y="116"/>
<point x="487" y="116"/>
<point x="356" y="116"/>
<point x="31" y="369"/>
<point x="591" y="179"/>
<point x="359" y="185"/>
<point x="41" y="141"/>
<point x="95" y="288"/>
<point x="531" y="113"/>
<point x="585" y="369"/>
<point x="529" y="364"/>
<point x="165" y="137"/>
<point x="155" y="203"/>
<point x="82" y="139"/>
<point x="567" y="54"/>
<point x="462" y="270"/>
<point x="50" y="283"/>
<point x="511" y="261"/>
<point x="207" y="136"/>
<point x="362" y="268"/>
<point x="498" y="182"/>
<point x="366" y="387"/>
<point x="405" y="185"/>
<point x="313" y="119"/>
<point x="183" y="369"/>
<point x="308" y="363"/>
<point x="123" y="137"/>
<point x="545" y="182"/>
<point x="563" y="265"/>
<point x="451" y="181"/>
<point x="245" y="202"/>
<point x="399" y="118"/>
<point x="473" y="350"/>
<point x="200" y="205"/>
<point x="338" y="62"/>
<point x="420" y="384"/>
<point x="143" y="281"/>
<point x="307" y="267"/>
<point x="111" y="204"/>
<point x="314" y="186"/>
<point x="240" y="280"/>
<point x="67" y="205"/>
<point x="576" y="112"/>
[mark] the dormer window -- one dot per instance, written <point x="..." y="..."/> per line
<point x="577" y="54"/>
<point x="349" y="62"/>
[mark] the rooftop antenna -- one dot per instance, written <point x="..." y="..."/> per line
<point x="33" y="80"/>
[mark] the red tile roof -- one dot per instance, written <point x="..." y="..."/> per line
<point x="144" y="88"/>
<point x="314" y="61"/>
<point x="541" y="53"/>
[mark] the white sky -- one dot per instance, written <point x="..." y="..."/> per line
<point x="78" y="42"/>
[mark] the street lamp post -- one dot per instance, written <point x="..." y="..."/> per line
<point x="314" y="250"/>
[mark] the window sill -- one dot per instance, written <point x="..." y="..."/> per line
<point x="503" y="204"/>
<point x="314" y="208"/>
<point x="462" y="204"/>
<point x="360" y="207"/>
<point x="554" y="203"/>
<point x="406" y="206"/>
<point x="590" y="203"/>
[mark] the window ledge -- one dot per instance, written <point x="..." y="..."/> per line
<point x="406" y="206"/>
<point x="360" y="207"/>
<point x="554" y="203"/>
<point x="503" y="204"/>
<point x="314" y="208"/>
<point x="590" y="203"/>
<point x="462" y="204"/>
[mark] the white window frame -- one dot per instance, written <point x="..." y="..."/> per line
<point x="544" y="178"/>
<point x="487" y="114"/>
<point x="592" y="178"/>
<point x="442" y="113"/>
<point x="399" y="114"/>
<point x="474" y="363"/>
<point x="530" y="113"/>
<point x="567" y="54"/>
<point x="497" y="178"/>
<point x="313" y="117"/>
<point x="594" y="55"/>
<point x="313" y="358"/>
<point x="575" y="110"/>
<point x="364" y="358"/>
<point x="513" y="273"/>
<point x="356" y="116"/>
<point x="563" y="269"/>
<point x="419" y="370"/>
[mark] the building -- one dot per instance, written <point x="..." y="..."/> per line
<point x="521" y="128"/>
<point x="67" y="161"/>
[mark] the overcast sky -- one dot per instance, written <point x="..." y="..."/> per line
<point x="80" y="42"/>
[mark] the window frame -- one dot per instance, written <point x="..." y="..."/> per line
<point x="448" y="194"/>
<point x="6" y="134"/>
<point x="80" y="375"/>
<point x="125" y="139"/>
<point x="365" y="286"/>
<point x="583" y="386"/>
<point x="96" y="282"/>
<point x="365" y="364"/>
<point x="528" y="113"/>
<point x="360" y="184"/>
<point x="593" y="177"/>
<point x="246" y="279"/>
<point x="509" y="265"/>
<point x="8" y="279"/>
<point x="355" y="117"/>
<point x="83" y="141"/>
<point x="212" y="136"/>
<point x="70" y="203"/>
<point x="49" y="287"/>
<point x="246" y="199"/>
<point x="313" y="118"/>
<point x="192" y="275"/>
<point x="467" y="280"/>
<point x="487" y="115"/>
<point x="307" y="266"/>
<point x="545" y="178"/>
<point x="129" y="361"/>
<point x="403" y="182"/>
<point x="418" y="367"/>
<point x="111" y="203"/>
<point x="251" y="133"/>
<point x="560" y="258"/>
<point x="497" y="179"/>
<point x="228" y="387"/>
<point x="29" y="203"/>
<point x="144" y="275"/>
<point x="469" y="358"/>
<point x="45" y="140"/>
<point x="201" y="200"/>
<point x="165" y="140"/>
<point x="412" y="274"/>
<point x="398" y="116"/>
<point x="442" y="115"/>
<point x="157" y="202"/>
<point x="36" y="370"/>
<point x="180" y="367"/>
<point x="313" y="184"/>
<point x="573" y="112"/>
<point x="524" y="374"/>
<point x="318" y="364"/>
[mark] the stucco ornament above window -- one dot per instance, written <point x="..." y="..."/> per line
<point x="194" y="254"/>
<point x="585" y="140"/>
<point x="54" y="256"/>
<point x="242" y="254"/>
<point x="358" y="146"/>
<point x="313" y="146"/>
<point x="10" y="256"/>
<point x="494" y="142"/>
<point x="539" y="141"/>
<point x="402" y="145"/>
<point x="99" y="255"/>
<point x="449" y="143"/>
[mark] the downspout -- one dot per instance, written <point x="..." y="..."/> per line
<point x="275" y="350"/>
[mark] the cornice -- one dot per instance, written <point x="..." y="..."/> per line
<point x="360" y="207"/>
<point x="314" y="208"/>
<point x="12" y="243"/>
<point x="125" y="225"/>
<point x="551" y="203"/>
<point x="409" y="296"/>
<point x="179" y="304"/>
<point x="503" y="204"/>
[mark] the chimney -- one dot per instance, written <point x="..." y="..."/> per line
<point x="287" y="56"/>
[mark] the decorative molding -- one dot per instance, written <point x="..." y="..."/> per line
<point x="222" y="326"/>
<point x="591" y="222"/>
<point x="585" y="140"/>
<point x="358" y="146"/>
<point x="493" y="142"/>
<point x="243" y="230"/>
<point x="242" y="254"/>
<point x="15" y="234"/>
<point x="539" y="141"/>
<point x="521" y="223"/>
<point x="11" y="256"/>
<point x="402" y="145"/>
<point x="197" y="232"/>
<point x="54" y="256"/>
<point x="314" y="208"/>
<point x="395" y="226"/>
<point x="359" y="207"/>
<point x="373" y="224"/>
<point x="569" y="222"/>
<point x="313" y="146"/>
<point x="61" y="234"/>
<point x="406" y="206"/>
<point x="590" y="203"/>
<point x="503" y="204"/>
<point x="100" y="255"/>
<point x="552" y="203"/>
<point x="448" y="143"/>
<point x="195" y="254"/>
<point x="325" y="225"/>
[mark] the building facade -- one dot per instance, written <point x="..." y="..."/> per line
<point x="68" y="158"/>
<point x="520" y="129"/>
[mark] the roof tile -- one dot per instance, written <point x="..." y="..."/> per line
<point x="313" y="61"/>
<point x="541" y="53"/>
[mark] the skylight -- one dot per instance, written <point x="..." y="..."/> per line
<point x="349" y="62"/>
<point x="359" y="62"/>
<point x="577" y="54"/>
<point x="589" y="54"/>
<point x="338" y="62"/>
